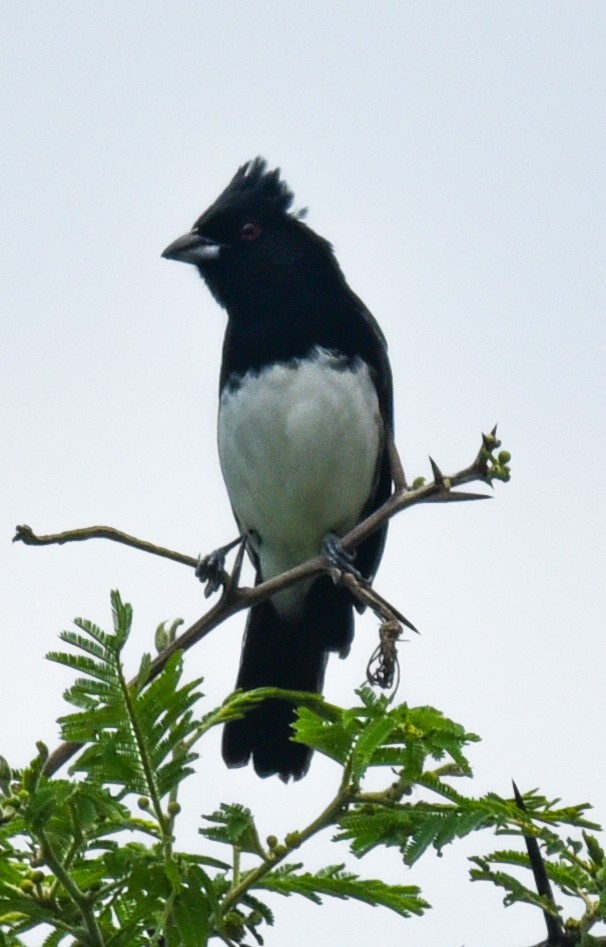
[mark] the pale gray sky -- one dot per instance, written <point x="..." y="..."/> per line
<point x="454" y="155"/>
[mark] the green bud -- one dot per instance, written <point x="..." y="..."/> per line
<point x="27" y="886"/>
<point x="233" y="926"/>
<point x="272" y="841"/>
<point x="161" y="638"/>
<point x="174" y="807"/>
<point x="143" y="802"/>
<point x="504" y="457"/>
<point x="43" y="753"/>
<point x="418" y="482"/>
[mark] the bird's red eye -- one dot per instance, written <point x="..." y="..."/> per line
<point x="250" y="231"/>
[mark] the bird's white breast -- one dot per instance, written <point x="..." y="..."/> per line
<point x="298" y="444"/>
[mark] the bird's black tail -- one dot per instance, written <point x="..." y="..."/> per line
<point x="290" y="655"/>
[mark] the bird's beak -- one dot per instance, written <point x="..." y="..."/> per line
<point x="192" y="248"/>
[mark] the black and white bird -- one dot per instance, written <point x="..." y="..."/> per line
<point x="305" y="418"/>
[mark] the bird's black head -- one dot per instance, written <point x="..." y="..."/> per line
<point x="249" y="247"/>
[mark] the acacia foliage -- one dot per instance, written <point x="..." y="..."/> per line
<point x="92" y="857"/>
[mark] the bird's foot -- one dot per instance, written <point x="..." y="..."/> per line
<point x="339" y="559"/>
<point x="211" y="568"/>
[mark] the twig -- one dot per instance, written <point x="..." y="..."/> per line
<point x="485" y="468"/>
<point x="292" y="841"/>
<point x="365" y="594"/>
<point x="26" y="535"/>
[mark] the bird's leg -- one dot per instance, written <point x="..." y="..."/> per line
<point x="211" y="568"/>
<point x="338" y="558"/>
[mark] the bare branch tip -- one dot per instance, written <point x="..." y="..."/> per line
<point x="23" y="534"/>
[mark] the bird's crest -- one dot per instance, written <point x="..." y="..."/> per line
<point x="253" y="187"/>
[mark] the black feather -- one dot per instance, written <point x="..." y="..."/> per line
<point x="290" y="655"/>
<point x="253" y="189"/>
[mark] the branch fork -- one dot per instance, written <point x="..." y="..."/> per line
<point x="382" y="668"/>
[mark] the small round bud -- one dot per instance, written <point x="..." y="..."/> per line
<point x="27" y="886"/>
<point x="174" y="807"/>
<point x="233" y="926"/>
<point x="143" y="802"/>
<point x="504" y="457"/>
<point x="272" y="841"/>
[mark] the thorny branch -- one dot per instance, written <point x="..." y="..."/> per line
<point x="485" y="468"/>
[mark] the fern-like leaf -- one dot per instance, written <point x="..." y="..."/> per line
<point x="234" y="825"/>
<point x="135" y="735"/>
<point x="338" y="883"/>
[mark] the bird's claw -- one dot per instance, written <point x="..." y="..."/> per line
<point x="211" y="569"/>
<point x="339" y="559"/>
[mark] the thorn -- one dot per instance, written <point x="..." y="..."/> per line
<point x="553" y="924"/>
<point x="438" y="476"/>
<point x="494" y="431"/>
<point x="470" y="496"/>
<point x="404" y="620"/>
<point x="454" y="497"/>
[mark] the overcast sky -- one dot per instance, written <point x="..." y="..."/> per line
<point x="454" y="155"/>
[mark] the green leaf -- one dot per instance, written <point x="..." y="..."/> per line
<point x="234" y="826"/>
<point x="122" y="614"/>
<point x="135" y="737"/>
<point x="332" y="738"/>
<point x="372" y="736"/>
<point x="337" y="883"/>
<point x="516" y="891"/>
<point x="191" y="912"/>
<point x="595" y="850"/>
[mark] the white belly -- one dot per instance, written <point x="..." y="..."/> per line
<point x="298" y="445"/>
